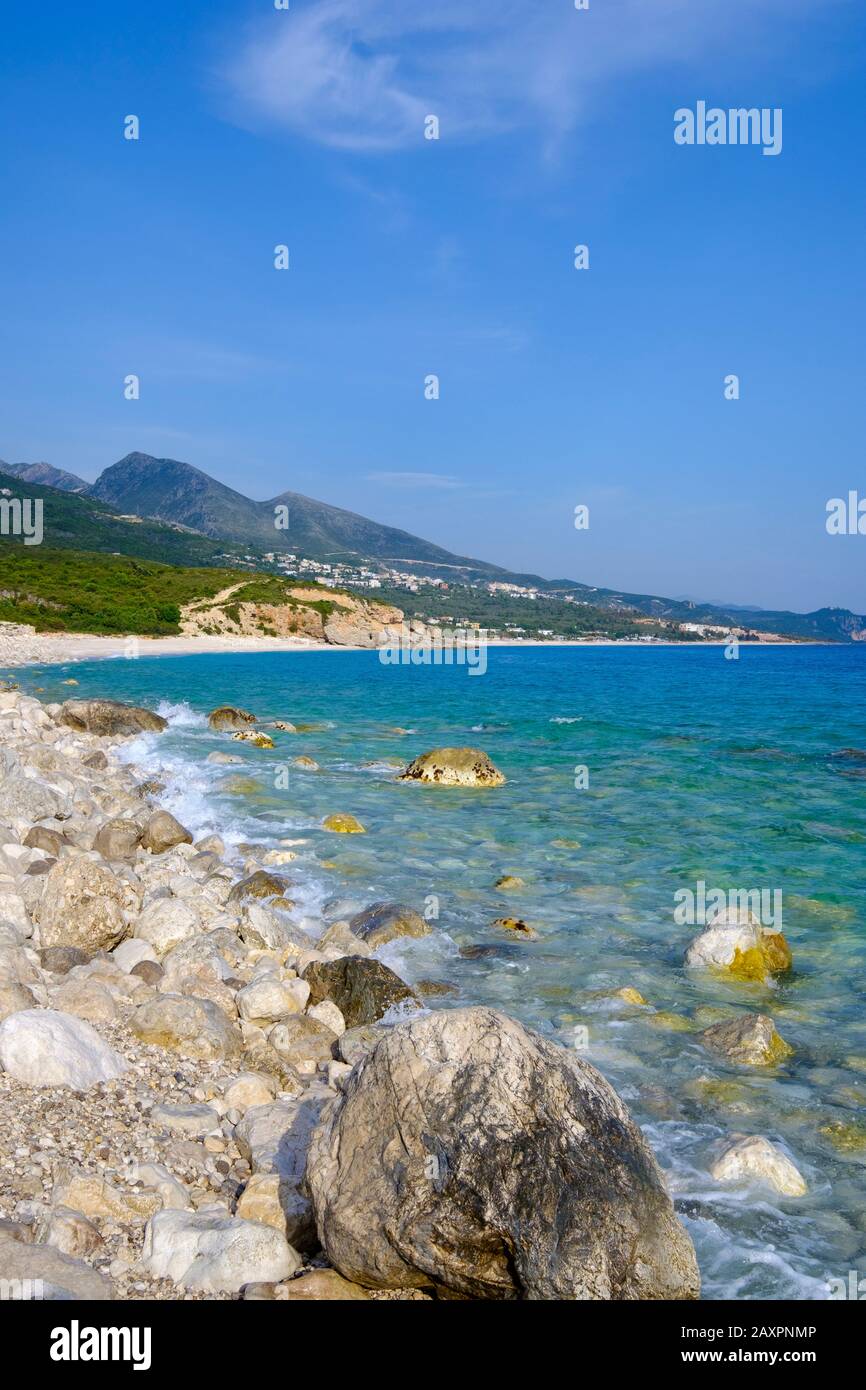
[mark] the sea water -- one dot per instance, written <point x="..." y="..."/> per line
<point x="633" y="773"/>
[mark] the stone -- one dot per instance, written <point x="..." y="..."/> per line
<point x="509" y="883"/>
<point x="735" y="943"/>
<point x="60" y="1277"/>
<point x="150" y="971"/>
<point x="746" y="1159"/>
<point x="750" y="1039"/>
<point x="268" y="999"/>
<point x="99" y="1199"/>
<point x="363" y="990"/>
<point x="259" y="885"/>
<point x="26" y="798"/>
<point x="224" y="758"/>
<point x="258" y="739"/>
<point x="383" y="922"/>
<point x="196" y="1027"/>
<point x="230" y="717"/>
<point x="300" y="1038"/>
<point x="275" y="1140"/>
<point x="59" y="960"/>
<point x="132" y="952"/>
<point x="162" y="832"/>
<point x="341" y="823"/>
<point x="516" y="927"/>
<point x="42" y="1047"/>
<point x="211" y="844"/>
<point x="165" y="923"/>
<point x="260" y="1201"/>
<point x="454" y="767"/>
<point x="14" y="998"/>
<point x="40" y="837"/>
<point x="471" y="1156"/>
<point x="85" y="998"/>
<point x="321" y="1286"/>
<point x="96" y="760"/>
<point x="327" y="1012"/>
<point x="249" y="1089"/>
<point x="117" y="839"/>
<point x="194" y="1120"/>
<point x="157" y="1177"/>
<point x="339" y="937"/>
<point x="263" y="929"/>
<point x="71" y="1232"/>
<point x="81" y="905"/>
<point x="356" y="1043"/>
<point x="285" y="725"/>
<point x="109" y="717"/>
<point x="309" y="764"/>
<point x="214" y="1253"/>
<point x="629" y="995"/>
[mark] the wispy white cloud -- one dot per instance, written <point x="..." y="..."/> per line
<point x="363" y="74"/>
<point x="415" y="480"/>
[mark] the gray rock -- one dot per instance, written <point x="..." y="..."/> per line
<point x="81" y="905"/>
<point x="215" y="1253"/>
<point x="162" y="832"/>
<point x="471" y="1156"/>
<point x="42" y="1047"/>
<point x="196" y="1027"/>
<point x="275" y="1138"/>
<point x="59" y="1276"/>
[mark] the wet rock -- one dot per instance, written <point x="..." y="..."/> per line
<point x="454" y="767"/>
<point x="363" y="990"/>
<point x="747" y="1159"/>
<point x="260" y="885"/>
<point x="471" y="1156"/>
<point x="382" y="922"/>
<point x="343" y="824"/>
<point x="750" y="1039"/>
<point x="517" y="927"/>
<point x="230" y="717"/>
<point x="257" y="739"/>
<point x="735" y="943"/>
<point x="109" y="717"/>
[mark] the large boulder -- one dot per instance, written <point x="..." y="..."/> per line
<point x="215" y="1253"/>
<point x="363" y="990"/>
<point x="195" y="1027"/>
<point x="42" y="1047"/>
<point x="454" y="767"/>
<point x="382" y="922"/>
<point x="735" y="943"/>
<point x="162" y="832"/>
<point x="109" y="717"/>
<point x="81" y="905"/>
<point x="230" y="717"/>
<point x="472" y="1156"/>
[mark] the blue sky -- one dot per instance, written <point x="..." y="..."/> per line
<point x="454" y="257"/>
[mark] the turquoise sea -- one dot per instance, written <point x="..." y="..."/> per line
<point x="741" y="774"/>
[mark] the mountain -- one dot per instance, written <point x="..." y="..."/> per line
<point x="46" y="474"/>
<point x="165" y="509"/>
<point x="175" y="491"/>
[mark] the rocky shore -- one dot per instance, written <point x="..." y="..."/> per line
<point x="201" y="1099"/>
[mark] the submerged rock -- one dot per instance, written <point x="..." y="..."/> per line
<point x="363" y="990"/>
<point x="517" y="927"/>
<point x="744" y="1159"/>
<point x="735" y="942"/>
<point x="750" y="1039"/>
<point x="471" y="1156"/>
<point x="454" y="767"/>
<point x="382" y="922"/>
<point x="261" y="884"/>
<point x="109" y="717"/>
<point x="343" y="824"/>
<point x="258" y="739"/>
<point x="43" y="1047"/>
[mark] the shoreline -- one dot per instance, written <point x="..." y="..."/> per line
<point x="49" y="649"/>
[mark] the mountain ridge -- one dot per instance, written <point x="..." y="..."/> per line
<point x="179" y="495"/>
